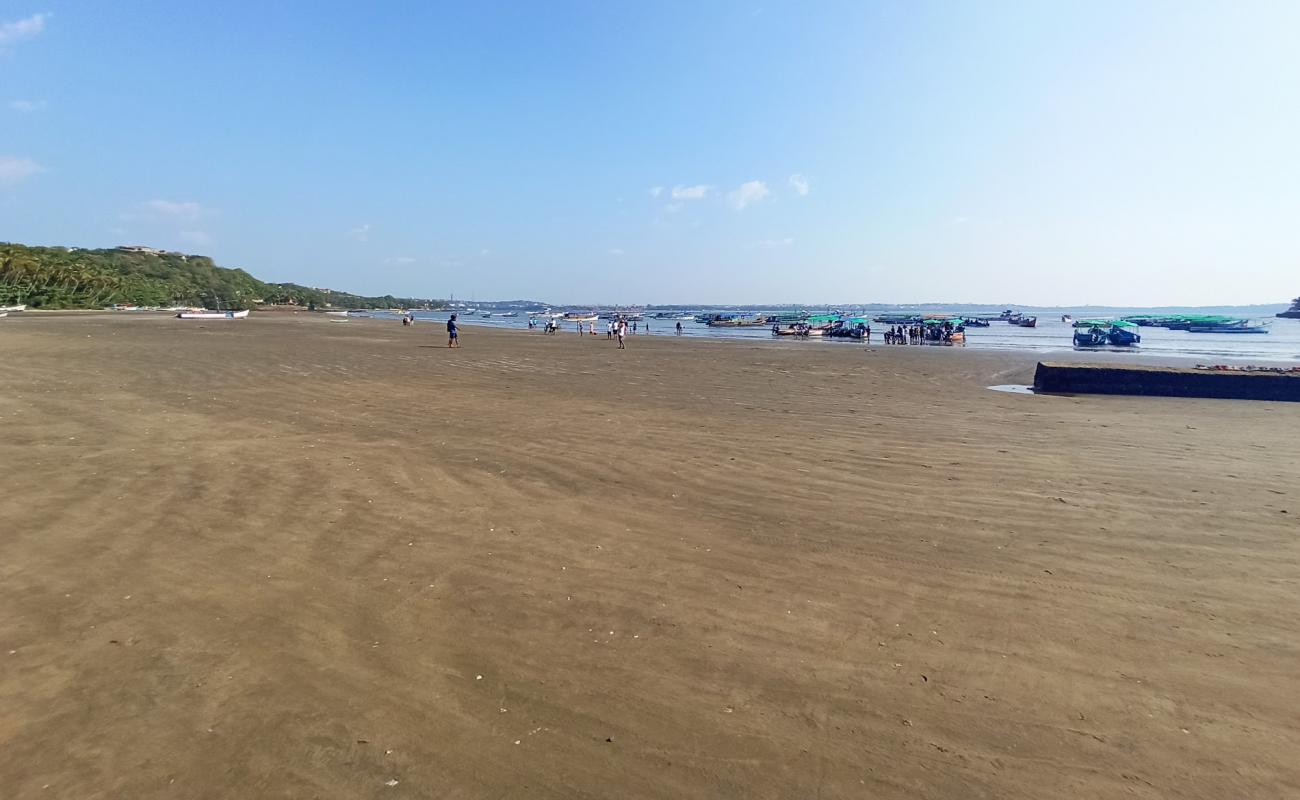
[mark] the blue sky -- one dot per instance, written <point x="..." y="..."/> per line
<point x="1114" y="153"/>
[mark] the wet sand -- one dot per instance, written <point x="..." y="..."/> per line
<point x="286" y="557"/>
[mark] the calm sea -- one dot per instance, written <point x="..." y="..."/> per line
<point x="1281" y="343"/>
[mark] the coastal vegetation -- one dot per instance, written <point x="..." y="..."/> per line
<point x="69" y="277"/>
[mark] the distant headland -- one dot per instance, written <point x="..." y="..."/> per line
<point x="72" y="277"/>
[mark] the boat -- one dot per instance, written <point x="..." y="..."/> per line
<point x="1293" y="312"/>
<point x="1123" y="334"/>
<point x="486" y="314"/>
<point x="975" y="322"/>
<point x="736" y="321"/>
<point x="7" y="309"/>
<point x="1100" y="332"/>
<point x="509" y="314"/>
<point x="212" y="314"/>
<point x="1067" y="319"/>
<point x="578" y="316"/>
<point x="1242" y="327"/>
<point x="1027" y="322"/>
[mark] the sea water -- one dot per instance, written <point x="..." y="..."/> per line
<point x="1281" y="343"/>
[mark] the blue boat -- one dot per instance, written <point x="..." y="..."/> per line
<point x="1123" y="334"/>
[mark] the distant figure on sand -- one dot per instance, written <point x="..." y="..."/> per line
<point x="679" y="329"/>
<point x="452" y="338"/>
<point x="609" y="330"/>
<point x="622" y="332"/>
<point x="591" y="328"/>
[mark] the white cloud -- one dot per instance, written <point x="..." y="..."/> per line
<point x="800" y="185"/>
<point x="172" y="209"/>
<point x="196" y="238"/>
<point x="27" y="106"/>
<point x="698" y="192"/>
<point x="361" y="233"/>
<point x="769" y="244"/>
<point x="655" y="191"/>
<point x="748" y="193"/>
<point x="15" y="170"/>
<point x="21" y="30"/>
<point x="399" y="260"/>
<point x="616" y="251"/>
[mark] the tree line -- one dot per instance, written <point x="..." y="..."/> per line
<point x="64" y="277"/>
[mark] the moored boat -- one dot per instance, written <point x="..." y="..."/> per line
<point x="1027" y="322"/>
<point x="1240" y="327"/>
<point x="212" y="314"/>
<point x="19" y="307"/>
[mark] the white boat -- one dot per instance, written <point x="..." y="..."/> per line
<point x="7" y="309"/>
<point x="212" y="314"/>
<point x="578" y="316"/>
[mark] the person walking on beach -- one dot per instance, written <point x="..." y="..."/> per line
<point x="453" y="339"/>
<point x="591" y="327"/>
<point x="679" y="329"/>
<point x="622" y="332"/>
<point x="609" y="331"/>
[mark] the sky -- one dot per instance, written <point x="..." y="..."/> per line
<point x="1116" y="153"/>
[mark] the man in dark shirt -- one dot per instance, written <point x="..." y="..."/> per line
<point x="452" y="341"/>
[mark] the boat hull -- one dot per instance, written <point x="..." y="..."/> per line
<point x="212" y="314"/>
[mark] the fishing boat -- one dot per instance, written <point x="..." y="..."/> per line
<point x="212" y="314"/>
<point x="976" y="322"/>
<point x="486" y="314"/>
<point x="1123" y="334"/>
<point x="736" y="321"/>
<point x="579" y="316"/>
<point x="7" y="309"/>
<point x="1242" y="326"/>
<point x="509" y="314"/>
<point x="1100" y="332"/>
<point x="1067" y="319"/>
<point x="1091" y="333"/>
<point x="1027" y="322"/>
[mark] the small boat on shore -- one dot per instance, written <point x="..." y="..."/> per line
<point x="7" y="309"/>
<point x="213" y="314"/>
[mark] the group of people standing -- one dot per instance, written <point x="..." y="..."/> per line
<point x="919" y="334"/>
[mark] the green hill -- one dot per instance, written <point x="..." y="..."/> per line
<point x="64" y="277"/>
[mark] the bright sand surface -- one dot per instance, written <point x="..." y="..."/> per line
<point x="286" y="557"/>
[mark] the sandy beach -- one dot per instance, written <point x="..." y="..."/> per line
<point x="284" y="557"/>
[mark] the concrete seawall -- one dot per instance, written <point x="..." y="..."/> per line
<point x="1057" y="378"/>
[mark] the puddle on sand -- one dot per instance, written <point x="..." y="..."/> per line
<point x="1013" y="388"/>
